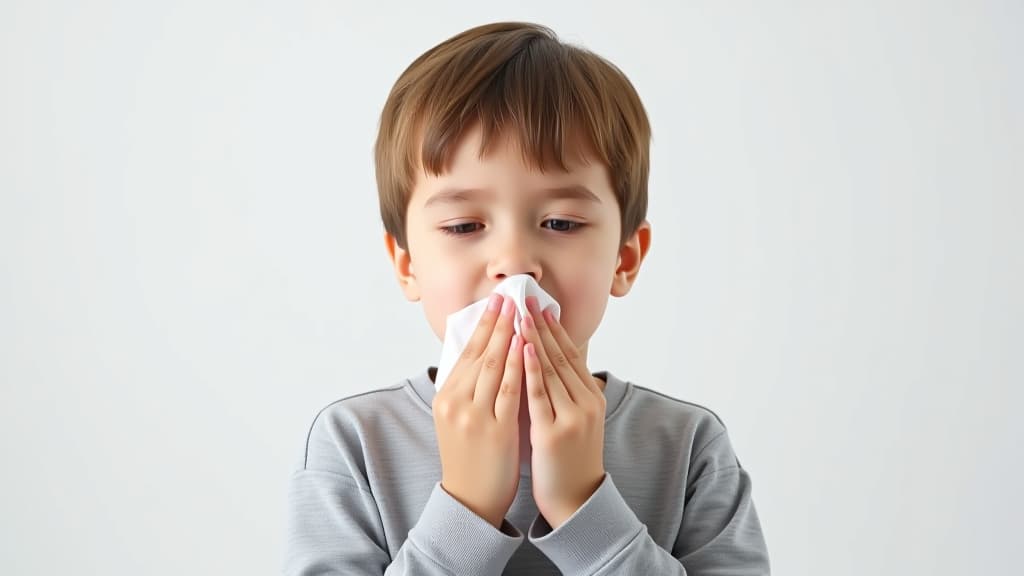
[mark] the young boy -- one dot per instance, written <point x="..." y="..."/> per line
<point x="504" y="152"/>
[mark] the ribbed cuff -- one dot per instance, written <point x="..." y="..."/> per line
<point x="592" y="536"/>
<point x="459" y="540"/>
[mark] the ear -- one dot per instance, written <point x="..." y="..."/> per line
<point x="402" y="261"/>
<point x="631" y="255"/>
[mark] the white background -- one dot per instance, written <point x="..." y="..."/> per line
<point x="191" y="265"/>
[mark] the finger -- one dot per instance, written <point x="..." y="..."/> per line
<point x="541" y="412"/>
<point x="492" y="363"/>
<point x="474" y="348"/>
<point x="571" y="351"/>
<point x="506" y="406"/>
<point x="560" y="399"/>
<point x="558" y="358"/>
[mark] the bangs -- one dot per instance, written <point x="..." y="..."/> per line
<point x="539" y="100"/>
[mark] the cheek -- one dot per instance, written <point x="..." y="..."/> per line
<point x="583" y="305"/>
<point x="442" y="295"/>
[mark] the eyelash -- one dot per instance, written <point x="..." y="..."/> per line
<point x="573" y="227"/>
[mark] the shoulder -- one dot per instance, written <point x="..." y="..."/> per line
<point x="342" y="426"/>
<point x="364" y="405"/>
<point x="662" y="409"/>
<point x="663" y="401"/>
<point x="661" y="419"/>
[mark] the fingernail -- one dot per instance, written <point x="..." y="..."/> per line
<point x="515" y="341"/>
<point x="531" y="303"/>
<point x="494" y="302"/>
<point x="528" y="321"/>
<point x="507" y="307"/>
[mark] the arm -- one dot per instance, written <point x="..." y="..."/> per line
<point x="720" y="532"/>
<point x="334" y="521"/>
<point x="334" y="527"/>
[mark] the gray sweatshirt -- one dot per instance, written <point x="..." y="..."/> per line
<point x="365" y="497"/>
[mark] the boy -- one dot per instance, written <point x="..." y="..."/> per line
<point x="504" y="152"/>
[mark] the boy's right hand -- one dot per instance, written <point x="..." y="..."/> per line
<point x="476" y="414"/>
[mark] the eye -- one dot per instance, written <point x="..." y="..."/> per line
<point x="565" y="226"/>
<point x="461" y="229"/>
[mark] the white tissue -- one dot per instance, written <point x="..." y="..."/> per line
<point x="460" y="325"/>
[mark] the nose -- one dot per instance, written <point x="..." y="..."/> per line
<point x="514" y="255"/>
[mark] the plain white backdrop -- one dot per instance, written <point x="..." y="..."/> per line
<point x="191" y="265"/>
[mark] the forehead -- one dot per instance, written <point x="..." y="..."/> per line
<point x="478" y="169"/>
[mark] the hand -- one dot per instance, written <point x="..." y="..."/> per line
<point x="476" y="417"/>
<point x="567" y="409"/>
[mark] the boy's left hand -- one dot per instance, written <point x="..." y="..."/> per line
<point x="567" y="410"/>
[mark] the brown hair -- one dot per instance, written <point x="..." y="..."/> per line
<point x="515" y="79"/>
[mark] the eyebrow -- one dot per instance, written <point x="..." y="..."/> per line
<point x="458" y="195"/>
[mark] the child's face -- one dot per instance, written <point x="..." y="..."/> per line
<point x="509" y="220"/>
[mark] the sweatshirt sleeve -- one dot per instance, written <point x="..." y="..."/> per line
<point x="719" y="533"/>
<point x="333" y="524"/>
